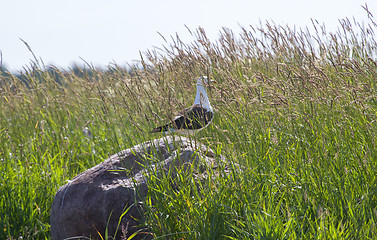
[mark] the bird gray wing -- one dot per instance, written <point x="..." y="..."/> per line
<point x="192" y="118"/>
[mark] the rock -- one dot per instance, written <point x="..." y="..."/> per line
<point x="95" y="199"/>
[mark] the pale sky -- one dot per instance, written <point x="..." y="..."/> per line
<point x="104" y="32"/>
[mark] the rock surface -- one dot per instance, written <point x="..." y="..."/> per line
<point x="96" y="198"/>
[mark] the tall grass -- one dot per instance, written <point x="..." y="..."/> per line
<point x="295" y="117"/>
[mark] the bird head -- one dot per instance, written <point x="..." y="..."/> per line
<point x="204" y="81"/>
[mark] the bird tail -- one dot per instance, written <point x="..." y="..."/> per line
<point x="156" y="130"/>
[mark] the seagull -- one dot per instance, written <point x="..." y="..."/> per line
<point x="192" y="119"/>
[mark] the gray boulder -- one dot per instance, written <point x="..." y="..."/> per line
<point x="95" y="199"/>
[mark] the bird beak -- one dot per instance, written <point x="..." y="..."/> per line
<point x="210" y="82"/>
